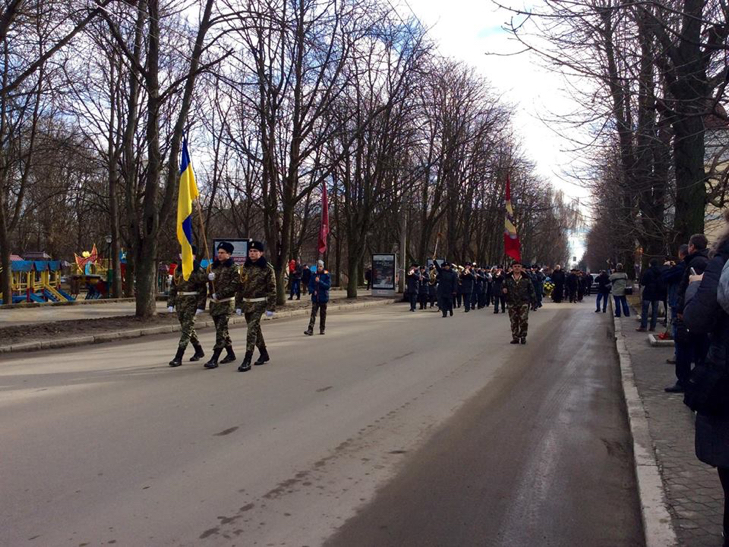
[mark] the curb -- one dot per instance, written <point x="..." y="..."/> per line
<point x="657" y="342"/>
<point x="166" y="329"/>
<point x="657" y="526"/>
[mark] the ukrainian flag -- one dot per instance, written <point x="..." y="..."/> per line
<point x="188" y="192"/>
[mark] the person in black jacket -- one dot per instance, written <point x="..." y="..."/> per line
<point x="423" y="288"/>
<point x="690" y="347"/>
<point x="653" y="292"/>
<point x="305" y="278"/>
<point x="447" y="287"/>
<point x="603" y="290"/>
<point x="497" y="283"/>
<point x="572" y="281"/>
<point x="413" y="285"/>
<point x="468" y="281"/>
<point x="703" y="314"/>
<point x="558" y="278"/>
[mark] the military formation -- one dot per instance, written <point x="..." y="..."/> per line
<point x="250" y="290"/>
<point x="472" y="287"/>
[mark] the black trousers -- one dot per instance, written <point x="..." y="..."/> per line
<point x="499" y="298"/>
<point x="445" y="303"/>
<point x="413" y="300"/>
<point x="322" y="308"/>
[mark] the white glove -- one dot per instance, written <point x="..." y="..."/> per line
<point x="269" y="313"/>
<point x="170" y="309"/>
<point x="214" y="297"/>
<point x="211" y="276"/>
<point x="198" y="311"/>
<point x="239" y="311"/>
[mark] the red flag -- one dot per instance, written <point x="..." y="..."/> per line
<point x="324" y="229"/>
<point x="512" y="247"/>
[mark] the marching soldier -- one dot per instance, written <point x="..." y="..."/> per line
<point x="256" y="295"/>
<point x="519" y="293"/>
<point x="224" y="278"/>
<point x="189" y="297"/>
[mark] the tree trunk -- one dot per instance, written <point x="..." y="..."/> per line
<point x="146" y="274"/>
<point x="5" y="274"/>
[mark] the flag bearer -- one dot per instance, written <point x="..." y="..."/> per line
<point x="189" y="297"/>
<point x="519" y="292"/>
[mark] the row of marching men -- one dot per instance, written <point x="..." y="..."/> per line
<point x="476" y="287"/>
<point x="248" y="290"/>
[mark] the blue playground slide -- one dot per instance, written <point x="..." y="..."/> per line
<point x="65" y="295"/>
<point x="36" y="298"/>
<point x="50" y="296"/>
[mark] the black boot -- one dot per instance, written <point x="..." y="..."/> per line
<point x="245" y="366"/>
<point x="199" y="353"/>
<point x="309" y="332"/>
<point x="177" y="360"/>
<point x="229" y="357"/>
<point x="213" y="363"/>
<point x="263" y="358"/>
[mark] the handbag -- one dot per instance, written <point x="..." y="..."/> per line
<point x="707" y="391"/>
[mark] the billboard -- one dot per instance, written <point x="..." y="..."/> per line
<point x="383" y="272"/>
<point x="240" y="248"/>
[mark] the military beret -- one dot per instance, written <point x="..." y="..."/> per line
<point x="227" y="247"/>
<point x="257" y="245"/>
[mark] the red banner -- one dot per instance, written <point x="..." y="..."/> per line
<point x="512" y="246"/>
<point x="324" y="229"/>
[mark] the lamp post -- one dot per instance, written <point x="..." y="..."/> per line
<point x="109" y="267"/>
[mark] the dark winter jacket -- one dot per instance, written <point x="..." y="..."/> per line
<point x="447" y="281"/>
<point x="423" y="283"/>
<point x="413" y="282"/>
<point x="671" y="277"/>
<point x="698" y="261"/>
<point x="703" y="314"/>
<point x="558" y="277"/>
<point x="467" y="282"/>
<point x="603" y="283"/>
<point x="306" y="276"/>
<point x="653" y="288"/>
<point x="320" y="289"/>
<point x="497" y="284"/>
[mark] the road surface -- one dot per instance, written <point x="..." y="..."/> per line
<point x="394" y="429"/>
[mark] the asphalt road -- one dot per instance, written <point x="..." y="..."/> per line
<point x="395" y="428"/>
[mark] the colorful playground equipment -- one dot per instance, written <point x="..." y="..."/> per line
<point x="94" y="273"/>
<point x="36" y="281"/>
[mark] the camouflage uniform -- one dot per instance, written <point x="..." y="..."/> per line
<point x="256" y="294"/>
<point x="519" y="296"/>
<point x="225" y="284"/>
<point x="188" y="297"/>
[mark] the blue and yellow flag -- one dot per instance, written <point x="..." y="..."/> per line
<point x="188" y="192"/>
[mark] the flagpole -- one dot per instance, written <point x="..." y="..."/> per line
<point x="205" y="240"/>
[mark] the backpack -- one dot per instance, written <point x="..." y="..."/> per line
<point x="722" y="293"/>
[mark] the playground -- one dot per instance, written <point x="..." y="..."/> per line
<point x="45" y="281"/>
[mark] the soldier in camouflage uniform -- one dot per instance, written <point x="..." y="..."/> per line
<point x="519" y="293"/>
<point x="189" y="297"/>
<point x="256" y="294"/>
<point x="224" y="279"/>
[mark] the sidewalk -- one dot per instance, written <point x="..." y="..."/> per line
<point x="47" y="314"/>
<point x="692" y="490"/>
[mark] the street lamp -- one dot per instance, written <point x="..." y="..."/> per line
<point x="109" y="266"/>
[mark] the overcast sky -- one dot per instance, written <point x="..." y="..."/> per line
<point x="467" y="30"/>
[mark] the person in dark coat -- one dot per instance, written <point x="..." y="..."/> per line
<point x="671" y="277"/>
<point x="690" y="347"/>
<point x="447" y="287"/>
<point x="703" y="314"/>
<point x="480" y="288"/>
<point x="487" y="288"/>
<point x="538" y="280"/>
<point x="653" y="290"/>
<point x="423" y="288"/>
<point x="603" y="290"/>
<point x="413" y="285"/>
<point x="468" y="281"/>
<point x="497" y="284"/>
<point x="305" y="278"/>
<point x="558" y="278"/>
<point x="571" y="282"/>
<point x="432" y="285"/>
